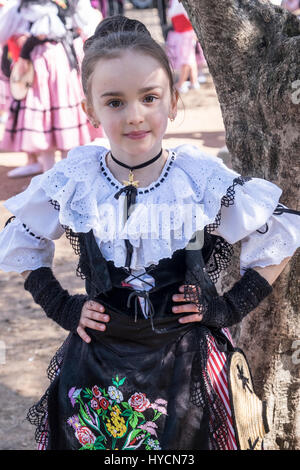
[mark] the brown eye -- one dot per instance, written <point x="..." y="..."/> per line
<point x="114" y="103"/>
<point x="150" y="98"/>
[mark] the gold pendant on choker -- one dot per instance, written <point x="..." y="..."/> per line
<point x="131" y="181"/>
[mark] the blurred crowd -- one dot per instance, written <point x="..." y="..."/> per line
<point x="41" y="49"/>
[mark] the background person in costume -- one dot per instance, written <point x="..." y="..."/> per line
<point x="4" y="82"/>
<point x="50" y="117"/>
<point x="291" y="5"/>
<point x="181" y="45"/>
<point x="151" y="313"/>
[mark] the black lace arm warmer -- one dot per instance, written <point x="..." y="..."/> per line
<point x="58" y="304"/>
<point x="234" y="305"/>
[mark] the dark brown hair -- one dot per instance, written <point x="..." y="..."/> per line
<point x="115" y="34"/>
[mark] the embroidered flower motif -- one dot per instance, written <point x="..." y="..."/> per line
<point x="74" y="422"/>
<point x="152" y="444"/>
<point x="139" y="402"/>
<point x="95" y="404"/>
<point x="115" y="394"/>
<point x="104" y="403"/>
<point x="158" y="405"/>
<point x="73" y="394"/>
<point x="96" y="392"/>
<point x="156" y="446"/>
<point x="85" y="435"/>
<point x="149" y="427"/>
<point x="105" y="421"/>
<point x="116" y="424"/>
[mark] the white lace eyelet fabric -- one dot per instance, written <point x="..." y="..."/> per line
<point x="277" y="241"/>
<point x="185" y="198"/>
<point x="20" y="251"/>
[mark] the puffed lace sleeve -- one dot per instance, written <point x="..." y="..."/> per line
<point x="86" y="18"/>
<point x="26" y="243"/>
<point x="11" y="22"/>
<point x="269" y="232"/>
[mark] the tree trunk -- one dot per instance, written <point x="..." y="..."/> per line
<point x="253" y="54"/>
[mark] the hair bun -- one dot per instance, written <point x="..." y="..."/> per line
<point x="118" y="24"/>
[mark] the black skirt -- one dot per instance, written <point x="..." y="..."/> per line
<point x="138" y="385"/>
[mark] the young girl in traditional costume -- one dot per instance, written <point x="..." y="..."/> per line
<point x="144" y="365"/>
<point x="50" y="117"/>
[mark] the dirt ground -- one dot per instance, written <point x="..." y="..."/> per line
<point x="27" y="338"/>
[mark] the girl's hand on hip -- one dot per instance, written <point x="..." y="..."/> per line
<point x="188" y="307"/>
<point x="92" y="316"/>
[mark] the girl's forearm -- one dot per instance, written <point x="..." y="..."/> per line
<point x="271" y="273"/>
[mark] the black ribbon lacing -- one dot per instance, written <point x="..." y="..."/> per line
<point x="131" y="193"/>
<point x="145" y="295"/>
<point x="280" y="210"/>
<point x="148" y="306"/>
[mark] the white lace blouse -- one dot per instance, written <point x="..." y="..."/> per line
<point x="194" y="190"/>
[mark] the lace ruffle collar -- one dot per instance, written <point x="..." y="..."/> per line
<point x="187" y="197"/>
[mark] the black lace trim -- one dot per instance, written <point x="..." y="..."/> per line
<point x="55" y="204"/>
<point x="219" y="259"/>
<point x="227" y="200"/>
<point x="38" y="414"/>
<point x="82" y="270"/>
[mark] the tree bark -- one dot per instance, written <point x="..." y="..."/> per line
<point x="253" y="53"/>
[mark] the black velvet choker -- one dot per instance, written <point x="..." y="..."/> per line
<point x="131" y="181"/>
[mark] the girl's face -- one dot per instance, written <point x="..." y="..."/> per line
<point x="132" y="101"/>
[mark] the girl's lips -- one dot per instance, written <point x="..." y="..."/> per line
<point x="137" y="135"/>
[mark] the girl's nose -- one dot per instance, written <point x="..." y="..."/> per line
<point x="134" y="114"/>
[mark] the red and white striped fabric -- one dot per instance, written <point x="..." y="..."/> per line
<point x="217" y="370"/>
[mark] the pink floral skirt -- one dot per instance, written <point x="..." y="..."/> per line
<point x="51" y="116"/>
